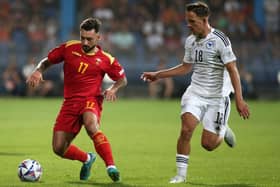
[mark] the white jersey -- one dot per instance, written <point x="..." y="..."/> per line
<point x="209" y="56"/>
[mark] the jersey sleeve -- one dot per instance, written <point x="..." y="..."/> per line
<point x="113" y="68"/>
<point x="56" y="55"/>
<point x="187" y="57"/>
<point x="116" y="71"/>
<point x="226" y="53"/>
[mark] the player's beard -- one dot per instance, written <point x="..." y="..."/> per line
<point x="198" y="35"/>
<point x="87" y="48"/>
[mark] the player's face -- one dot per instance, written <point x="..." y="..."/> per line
<point x="89" y="39"/>
<point x="195" y="23"/>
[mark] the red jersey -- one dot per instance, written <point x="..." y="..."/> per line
<point x="84" y="72"/>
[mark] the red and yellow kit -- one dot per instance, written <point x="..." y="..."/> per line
<point x="83" y="76"/>
<point x="84" y="72"/>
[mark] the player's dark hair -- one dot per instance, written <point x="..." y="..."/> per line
<point x="91" y="23"/>
<point x="199" y="8"/>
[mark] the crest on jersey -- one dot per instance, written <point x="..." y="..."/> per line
<point x="97" y="61"/>
<point x="210" y="44"/>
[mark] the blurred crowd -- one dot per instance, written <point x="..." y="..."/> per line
<point x="140" y="33"/>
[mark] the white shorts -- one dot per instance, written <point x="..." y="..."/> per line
<point x="213" y="113"/>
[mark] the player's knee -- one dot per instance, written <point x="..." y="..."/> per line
<point x="186" y="133"/>
<point x="208" y="146"/>
<point x="91" y="129"/>
<point x="91" y="125"/>
<point x="58" y="150"/>
<point x="188" y="126"/>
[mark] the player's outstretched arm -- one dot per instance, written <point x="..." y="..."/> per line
<point x="149" y="76"/>
<point x="36" y="76"/>
<point x="180" y="69"/>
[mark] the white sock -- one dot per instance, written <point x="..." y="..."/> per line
<point x="88" y="158"/>
<point x="111" y="166"/>
<point x="182" y="164"/>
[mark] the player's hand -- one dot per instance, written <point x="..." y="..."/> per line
<point x="34" y="79"/>
<point x="110" y="95"/>
<point x="149" y="76"/>
<point x="243" y="109"/>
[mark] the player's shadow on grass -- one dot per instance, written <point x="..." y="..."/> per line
<point x="11" y="154"/>
<point x="117" y="184"/>
<point x="221" y="185"/>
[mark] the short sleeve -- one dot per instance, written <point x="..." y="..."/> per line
<point x="226" y="53"/>
<point x="188" y="48"/>
<point x="56" y="55"/>
<point x="115" y="71"/>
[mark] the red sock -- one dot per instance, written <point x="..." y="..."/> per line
<point x="103" y="148"/>
<point x="74" y="153"/>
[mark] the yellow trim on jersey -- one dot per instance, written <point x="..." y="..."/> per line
<point x="72" y="42"/>
<point x="76" y="53"/>
<point x="112" y="59"/>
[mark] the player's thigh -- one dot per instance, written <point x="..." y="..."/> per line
<point x="216" y="117"/>
<point x="91" y="124"/>
<point x="91" y="114"/>
<point x="69" y="118"/>
<point x="194" y="105"/>
<point x="188" y="122"/>
<point x="192" y="110"/>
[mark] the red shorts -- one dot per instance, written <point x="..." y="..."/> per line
<point x="70" y="116"/>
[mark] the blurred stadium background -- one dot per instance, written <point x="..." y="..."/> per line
<point x="139" y="33"/>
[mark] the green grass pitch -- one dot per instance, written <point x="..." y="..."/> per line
<point x="143" y="135"/>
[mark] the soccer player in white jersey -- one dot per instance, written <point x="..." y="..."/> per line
<point x="209" y="54"/>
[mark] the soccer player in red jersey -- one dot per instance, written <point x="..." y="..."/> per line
<point x="85" y="65"/>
